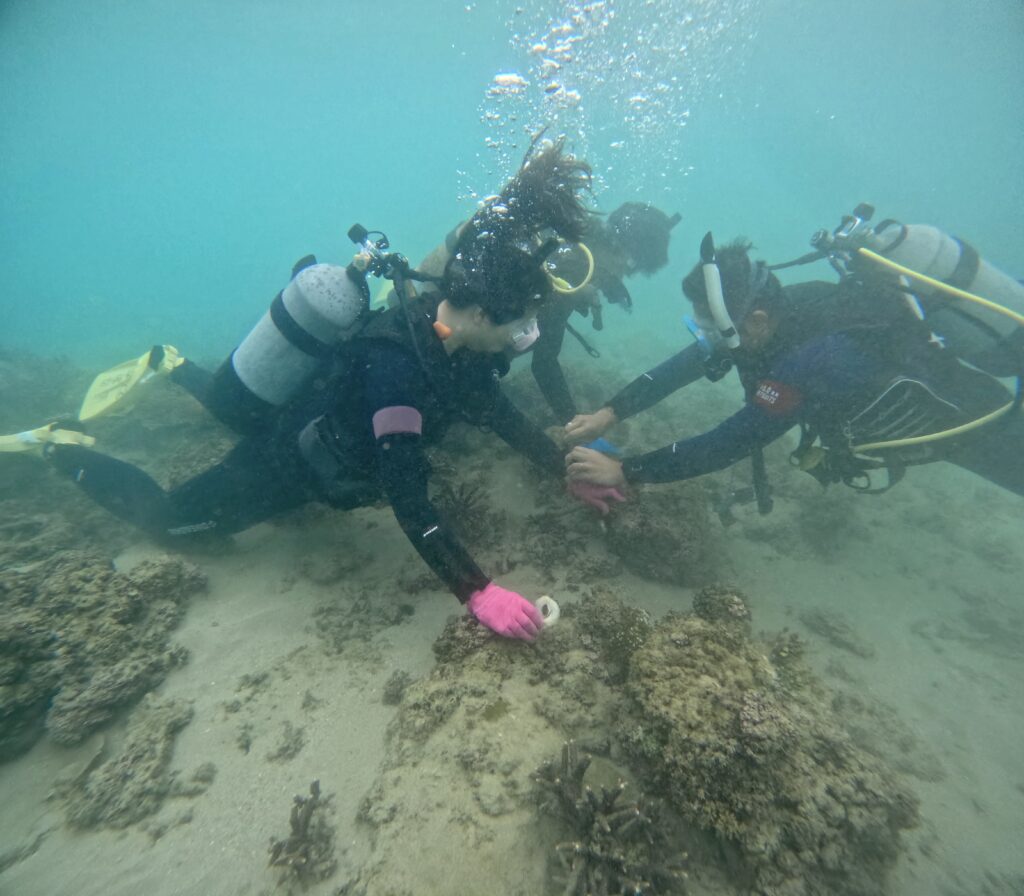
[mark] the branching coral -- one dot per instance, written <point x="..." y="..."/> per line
<point x="617" y="846"/>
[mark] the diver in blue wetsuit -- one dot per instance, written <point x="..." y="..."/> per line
<point x="853" y="364"/>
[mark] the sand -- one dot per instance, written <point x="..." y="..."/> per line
<point x="927" y="579"/>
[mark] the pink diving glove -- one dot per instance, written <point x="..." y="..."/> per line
<point x="506" y="612"/>
<point x="595" y="495"/>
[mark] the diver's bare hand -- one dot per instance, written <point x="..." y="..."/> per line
<point x="587" y="465"/>
<point x="587" y="427"/>
<point x="558" y="436"/>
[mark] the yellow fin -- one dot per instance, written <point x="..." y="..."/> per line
<point x="111" y="387"/>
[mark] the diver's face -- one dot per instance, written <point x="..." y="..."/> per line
<point x="756" y="331"/>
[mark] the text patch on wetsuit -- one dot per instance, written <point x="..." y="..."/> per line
<point x="777" y="398"/>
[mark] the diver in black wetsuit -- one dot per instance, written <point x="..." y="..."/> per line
<point x="850" y="363"/>
<point x="633" y="240"/>
<point x="359" y="434"/>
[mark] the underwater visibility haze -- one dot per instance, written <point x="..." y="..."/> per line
<point x="826" y="698"/>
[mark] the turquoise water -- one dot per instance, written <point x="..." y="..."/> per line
<point x="164" y="163"/>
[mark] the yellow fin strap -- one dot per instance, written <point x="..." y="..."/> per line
<point x="50" y="434"/>
<point x="565" y="288"/>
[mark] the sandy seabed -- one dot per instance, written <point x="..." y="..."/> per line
<point x="911" y="601"/>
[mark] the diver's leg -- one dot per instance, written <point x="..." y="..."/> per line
<point x="247" y="487"/>
<point x="252" y="484"/>
<point x="123" y="489"/>
<point x="544" y="363"/>
<point x="996" y="453"/>
<point x="194" y="379"/>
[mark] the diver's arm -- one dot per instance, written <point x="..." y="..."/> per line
<point x="721" y="447"/>
<point x="517" y="431"/>
<point x="396" y="390"/>
<point x="648" y="389"/>
<point x="403" y="469"/>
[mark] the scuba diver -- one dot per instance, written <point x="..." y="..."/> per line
<point x="337" y="404"/>
<point x="898" y="364"/>
<point x="633" y="240"/>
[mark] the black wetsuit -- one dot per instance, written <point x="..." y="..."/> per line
<point x="554" y="319"/>
<point x="826" y="365"/>
<point x="357" y="438"/>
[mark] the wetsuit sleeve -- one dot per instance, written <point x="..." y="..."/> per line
<point x="396" y="393"/>
<point x="544" y="363"/>
<point x="650" y="388"/>
<point x="822" y="372"/>
<point x="515" y="429"/>
<point x="727" y="443"/>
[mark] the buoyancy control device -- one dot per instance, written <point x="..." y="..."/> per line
<point x="940" y="277"/>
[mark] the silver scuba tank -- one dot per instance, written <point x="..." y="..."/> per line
<point x="320" y="308"/>
<point x="985" y="339"/>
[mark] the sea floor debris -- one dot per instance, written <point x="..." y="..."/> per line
<point x="307" y="854"/>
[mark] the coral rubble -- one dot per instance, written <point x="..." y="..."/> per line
<point x="763" y="763"/>
<point x="732" y="750"/>
<point x="80" y="641"/>
<point x="134" y="784"/>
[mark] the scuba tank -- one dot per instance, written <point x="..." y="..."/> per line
<point x="321" y="307"/>
<point x="987" y="335"/>
<point x="939" y="278"/>
<point x="985" y="339"/>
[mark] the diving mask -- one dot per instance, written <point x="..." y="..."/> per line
<point x="525" y="336"/>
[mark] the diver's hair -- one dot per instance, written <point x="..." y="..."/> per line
<point x="740" y="282"/>
<point x="496" y="263"/>
<point x="641" y="231"/>
<point x="545" y="192"/>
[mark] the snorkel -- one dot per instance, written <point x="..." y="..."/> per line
<point x="727" y="332"/>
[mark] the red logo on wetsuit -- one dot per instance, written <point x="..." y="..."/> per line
<point x="777" y="398"/>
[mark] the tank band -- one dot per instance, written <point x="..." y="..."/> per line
<point x="966" y="267"/>
<point x="290" y="329"/>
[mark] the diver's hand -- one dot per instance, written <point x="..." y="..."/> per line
<point x="588" y="465"/>
<point x="506" y="612"/>
<point x="597" y="496"/>
<point x="587" y="427"/>
<point x="558" y="436"/>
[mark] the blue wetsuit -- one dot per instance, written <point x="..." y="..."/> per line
<point x="824" y="378"/>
